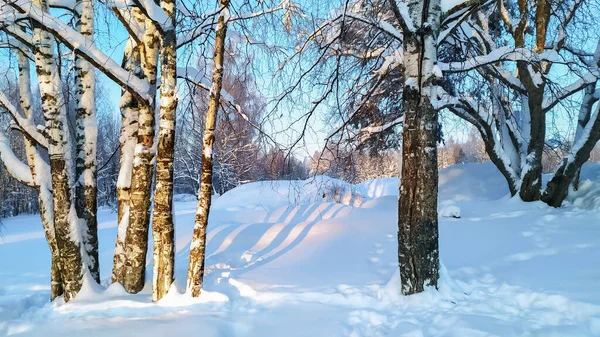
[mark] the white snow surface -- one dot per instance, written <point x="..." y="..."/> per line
<point x="319" y="258"/>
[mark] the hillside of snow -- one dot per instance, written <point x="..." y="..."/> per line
<point x="319" y="258"/>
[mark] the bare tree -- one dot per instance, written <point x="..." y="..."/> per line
<point x="198" y="244"/>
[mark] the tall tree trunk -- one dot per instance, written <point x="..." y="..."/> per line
<point x="535" y="125"/>
<point x="128" y="141"/>
<point x="86" y="136"/>
<point x="136" y="240"/>
<point x="163" y="230"/>
<point x="198" y="244"/>
<point x="39" y="172"/>
<point x="418" y="253"/>
<point x="61" y="166"/>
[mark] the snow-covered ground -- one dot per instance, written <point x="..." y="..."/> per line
<point x="319" y="258"/>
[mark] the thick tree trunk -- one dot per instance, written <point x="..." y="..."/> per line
<point x="558" y="187"/>
<point x="531" y="175"/>
<point x="418" y="253"/>
<point x="128" y="141"/>
<point x="59" y="151"/>
<point x="136" y="240"/>
<point x="39" y="174"/>
<point x="585" y="113"/>
<point x="198" y="244"/>
<point x="86" y="133"/>
<point x="163" y="230"/>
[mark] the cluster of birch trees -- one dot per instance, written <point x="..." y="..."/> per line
<point x="501" y="65"/>
<point x="62" y="167"/>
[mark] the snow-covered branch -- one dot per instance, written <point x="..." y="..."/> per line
<point x="207" y="22"/>
<point x="380" y="24"/>
<point x="400" y="10"/>
<point x="124" y="15"/>
<point x="245" y="16"/>
<point x="156" y="14"/>
<point x="26" y="125"/>
<point x="86" y="49"/>
<point x="17" y="169"/>
<point x="497" y="55"/>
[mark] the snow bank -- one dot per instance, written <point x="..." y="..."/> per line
<point x="297" y="258"/>
<point x="273" y="194"/>
<point x="450" y="211"/>
<point x="459" y="183"/>
<point x="588" y="194"/>
<point x="473" y="181"/>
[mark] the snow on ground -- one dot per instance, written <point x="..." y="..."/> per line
<point x="318" y="258"/>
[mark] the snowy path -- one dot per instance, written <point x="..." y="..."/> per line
<point x="308" y="268"/>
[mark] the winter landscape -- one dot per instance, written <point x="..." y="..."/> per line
<point x="349" y="168"/>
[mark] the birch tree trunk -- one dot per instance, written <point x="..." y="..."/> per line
<point x="39" y="172"/>
<point x="86" y="136"/>
<point x="136" y="240"/>
<point x="418" y="253"/>
<point x="66" y="225"/>
<point x="163" y="231"/>
<point x="198" y="244"/>
<point x="128" y="141"/>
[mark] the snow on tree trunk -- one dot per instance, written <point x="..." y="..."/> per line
<point x="40" y="172"/>
<point x="198" y="244"/>
<point x="418" y="253"/>
<point x="128" y="141"/>
<point x="66" y="224"/>
<point x="86" y="134"/>
<point x="588" y="134"/>
<point x="535" y="127"/>
<point x="585" y="112"/>
<point x="136" y="239"/>
<point x="163" y="230"/>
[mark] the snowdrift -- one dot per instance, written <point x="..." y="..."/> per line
<point x="319" y="258"/>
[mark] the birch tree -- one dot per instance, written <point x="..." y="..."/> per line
<point x="38" y="168"/>
<point x="129" y="107"/>
<point x="47" y="27"/>
<point x="198" y="244"/>
<point x="86" y="137"/>
<point x="163" y="228"/>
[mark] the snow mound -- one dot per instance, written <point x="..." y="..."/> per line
<point x="450" y="211"/>
<point x="587" y="195"/>
<point x="380" y="187"/>
<point x="458" y="183"/>
<point x="297" y="258"/>
<point x="274" y="194"/>
<point x="473" y="181"/>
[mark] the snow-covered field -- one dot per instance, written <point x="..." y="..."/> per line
<point x="319" y="258"/>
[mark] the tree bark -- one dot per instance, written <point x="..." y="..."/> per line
<point x="558" y="187"/>
<point x="86" y="134"/>
<point x="198" y="244"/>
<point x="59" y="150"/>
<point x="418" y="253"/>
<point x="163" y="229"/>
<point x="39" y="170"/>
<point x="128" y="141"/>
<point x="531" y="175"/>
<point x="136" y="240"/>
